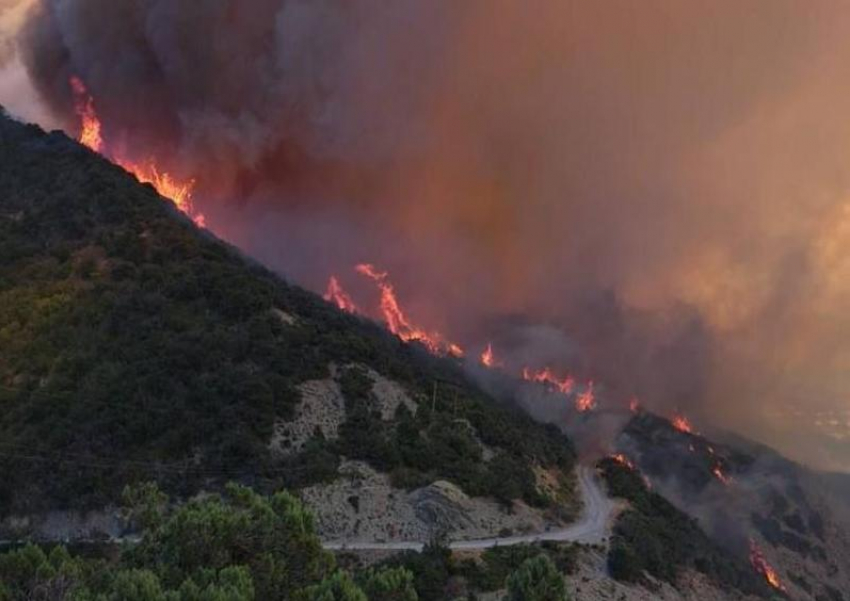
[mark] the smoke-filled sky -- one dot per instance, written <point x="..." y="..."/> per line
<point x="652" y="194"/>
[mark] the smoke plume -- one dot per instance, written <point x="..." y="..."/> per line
<point x="653" y="195"/>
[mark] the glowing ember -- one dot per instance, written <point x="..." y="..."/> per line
<point x="545" y="376"/>
<point x="336" y="295"/>
<point x="89" y="123"/>
<point x="586" y="400"/>
<point x="762" y="567"/>
<point x="90" y="135"/>
<point x="718" y="473"/>
<point x="634" y="405"/>
<point x="623" y="460"/>
<point x="397" y="321"/>
<point x="488" y="359"/>
<point x="682" y="424"/>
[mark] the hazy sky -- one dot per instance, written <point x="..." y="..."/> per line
<point x="664" y="184"/>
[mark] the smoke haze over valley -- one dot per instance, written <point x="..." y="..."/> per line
<point x="654" y="196"/>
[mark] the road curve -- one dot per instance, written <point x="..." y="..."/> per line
<point x="591" y="527"/>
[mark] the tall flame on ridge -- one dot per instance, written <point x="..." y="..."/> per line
<point x="397" y="321"/>
<point x="180" y="193"/>
<point x="89" y="123"/>
<point x="336" y="295"/>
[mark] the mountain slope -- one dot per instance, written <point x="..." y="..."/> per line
<point x="796" y="519"/>
<point x="134" y="346"/>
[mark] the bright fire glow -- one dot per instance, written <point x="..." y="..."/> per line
<point x="682" y="424"/>
<point x="180" y="193"/>
<point x="623" y="460"/>
<point x="720" y="475"/>
<point x="762" y="567"/>
<point x="634" y="405"/>
<point x="586" y="401"/>
<point x="89" y="123"/>
<point x="336" y="295"/>
<point x="547" y="377"/>
<point x="488" y="359"/>
<point x="397" y="321"/>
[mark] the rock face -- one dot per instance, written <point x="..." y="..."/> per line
<point x="363" y="506"/>
<point x="443" y="506"/>
<point x="322" y="409"/>
<point x="389" y="395"/>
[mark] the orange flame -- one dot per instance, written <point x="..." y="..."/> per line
<point x="634" y="405"/>
<point x="720" y="475"/>
<point x="761" y="566"/>
<point x="682" y="424"/>
<point x="623" y="460"/>
<point x="586" y="401"/>
<point x="336" y="295"/>
<point x="89" y="123"/>
<point x="90" y="135"/>
<point x="397" y="321"/>
<point x="547" y="377"/>
<point x="488" y="359"/>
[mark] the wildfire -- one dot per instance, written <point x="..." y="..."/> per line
<point x="89" y="123"/>
<point x="586" y="401"/>
<point x="336" y="295"/>
<point x="488" y="359"/>
<point x="180" y="193"/>
<point x="634" y="405"/>
<point x="682" y="424"/>
<point x="397" y="321"/>
<point x="547" y="377"/>
<point x="720" y="475"/>
<point x="761" y="566"/>
<point x="623" y="460"/>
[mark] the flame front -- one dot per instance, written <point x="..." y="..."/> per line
<point x="89" y="123"/>
<point x="586" y="401"/>
<point x="147" y="173"/>
<point x="336" y="295"/>
<point x="398" y="323"/>
<point x="762" y="567"/>
<point x="547" y="377"/>
<point x="682" y="424"/>
<point x="488" y="359"/>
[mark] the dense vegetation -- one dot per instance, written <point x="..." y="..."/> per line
<point x="134" y="346"/>
<point x="438" y="575"/>
<point x="654" y="537"/>
<point x="238" y="547"/>
<point x="242" y="546"/>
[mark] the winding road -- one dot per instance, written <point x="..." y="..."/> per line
<point x="591" y="527"/>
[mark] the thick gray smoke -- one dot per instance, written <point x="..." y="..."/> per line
<point x="663" y="184"/>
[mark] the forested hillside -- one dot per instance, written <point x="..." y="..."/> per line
<point x="134" y="346"/>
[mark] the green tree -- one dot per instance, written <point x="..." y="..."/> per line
<point x="231" y="584"/>
<point x="339" y="587"/>
<point x="537" y="579"/>
<point x="274" y="538"/>
<point x="137" y="585"/>
<point x="390" y="584"/>
<point x="624" y="564"/>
